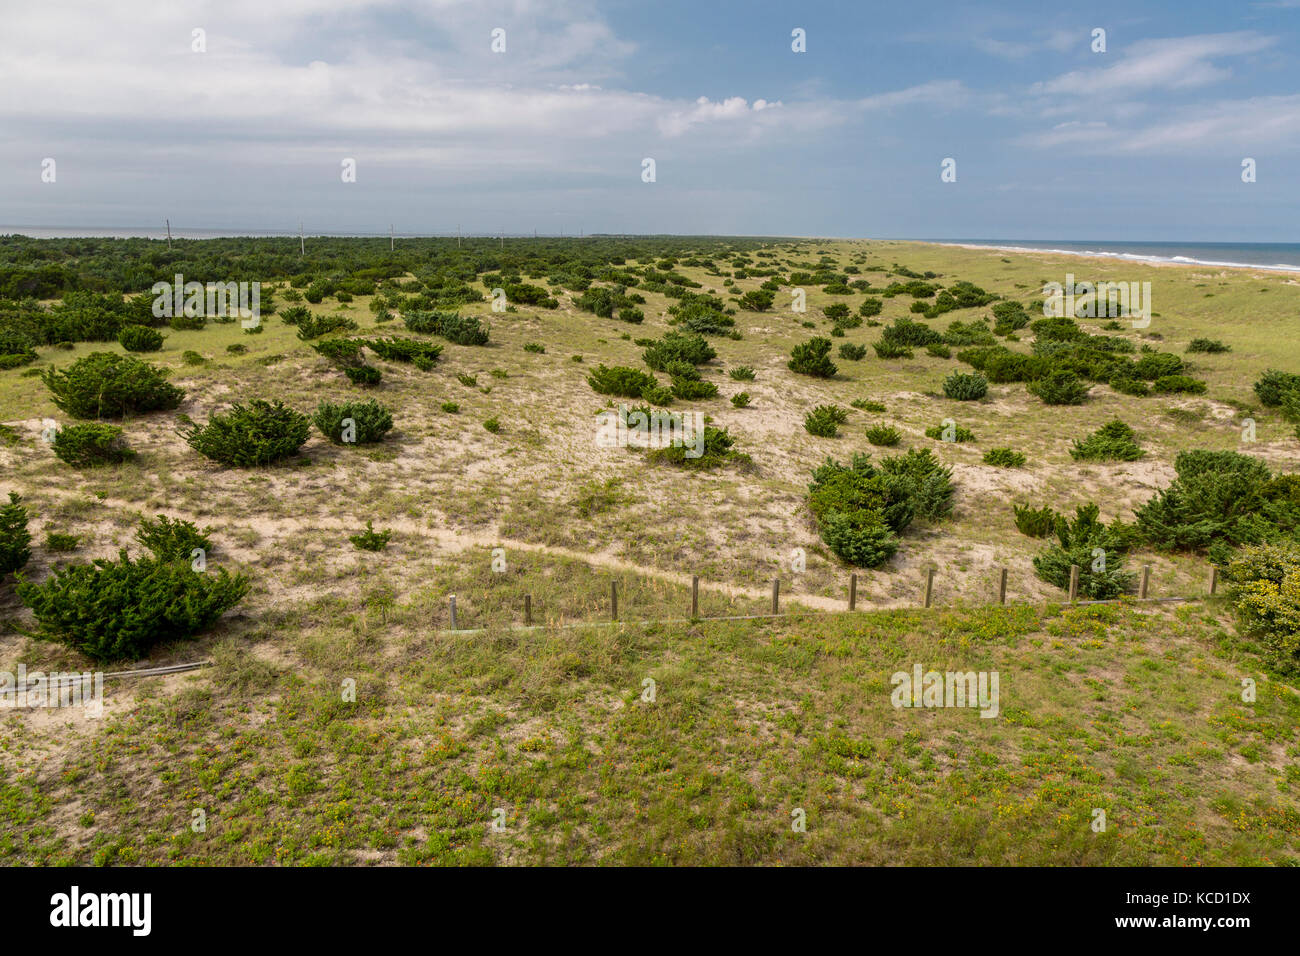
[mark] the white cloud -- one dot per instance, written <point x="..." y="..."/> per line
<point x="1169" y="64"/>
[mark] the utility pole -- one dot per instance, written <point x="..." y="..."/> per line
<point x="457" y="235"/>
<point x="302" y="243"/>
<point x="169" y="235"/>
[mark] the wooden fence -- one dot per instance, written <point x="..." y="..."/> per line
<point x="927" y="601"/>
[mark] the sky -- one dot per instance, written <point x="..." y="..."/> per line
<point x="250" y="123"/>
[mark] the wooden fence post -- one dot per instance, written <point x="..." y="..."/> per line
<point x="452" y="601"/>
<point x="613" y="600"/>
<point x="1002" y="587"/>
<point x="776" y="595"/>
<point x="1214" y="580"/>
<point x="1146" y="581"/>
<point x="853" y="591"/>
<point x="695" y="596"/>
<point x="1074" y="583"/>
<point x="528" y="609"/>
<point x="929" y="586"/>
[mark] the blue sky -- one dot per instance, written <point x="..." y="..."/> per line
<point x="1051" y="139"/>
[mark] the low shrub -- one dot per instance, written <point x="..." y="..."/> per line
<point x="1059" y="388"/>
<point x="364" y="375"/>
<point x="1218" y="499"/>
<point x="1273" y="386"/>
<point x="452" y="326"/>
<point x="813" y="358"/>
<point x="867" y="405"/>
<point x="714" y="447"/>
<point x="688" y="347"/>
<point x="891" y="350"/>
<point x="139" y="338"/>
<point x="353" y="423"/>
<point x="740" y="399"/>
<point x="1264" y="581"/>
<point x="61" y="543"/>
<point x="370" y="539"/>
<point x="1114" y="441"/>
<point x="1035" y="522"/>
<point x="173" y="539"/>
<point x="258" y="433"/>
<point x="1096" y="549"/>
<point x="742" y="373"/>
<point x="965" y="386"/>
<point x="1207" y="345"/>
<point x="105" y="385"/>
<point x="1004" y="458"/>
<point x="1179" y="384"/>
<point x="884" y="435"/>
<point x="90" y="444"/>
<point x="824" y="421"/>
<point x="690" y="389"/>
<point x="853" y="353"/>
<point x="314" y="327"/>
<point x="620" y="380"/>
<point x="15" y="539"/>
<point x="949" y="431"/>
<point x="404" y="350"/>
<point x="116" y="610"/>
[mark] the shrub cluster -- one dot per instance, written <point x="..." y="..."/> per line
<point x="452" y="326"/>
<point x="1265" y="587"/>
<point x="1217" y="500"/>
<point x="861" y="509"/>
<point x="1096" y="548"/>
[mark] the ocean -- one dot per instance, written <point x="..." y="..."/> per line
<point x="1282" y="256"/>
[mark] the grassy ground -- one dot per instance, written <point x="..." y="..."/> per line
<point x="1136" y="712"/>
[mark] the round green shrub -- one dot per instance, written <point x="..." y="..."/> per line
<point x="258" y="433"/>
<point x="1059" y="388"/>
<point x="106" y="385"/>
<point x="115" y="610"/>
<point x="140" y="338"/>
<point x="89" y="444"/>
<point x="965" y="386"/>
<point x="362" y="423"/>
